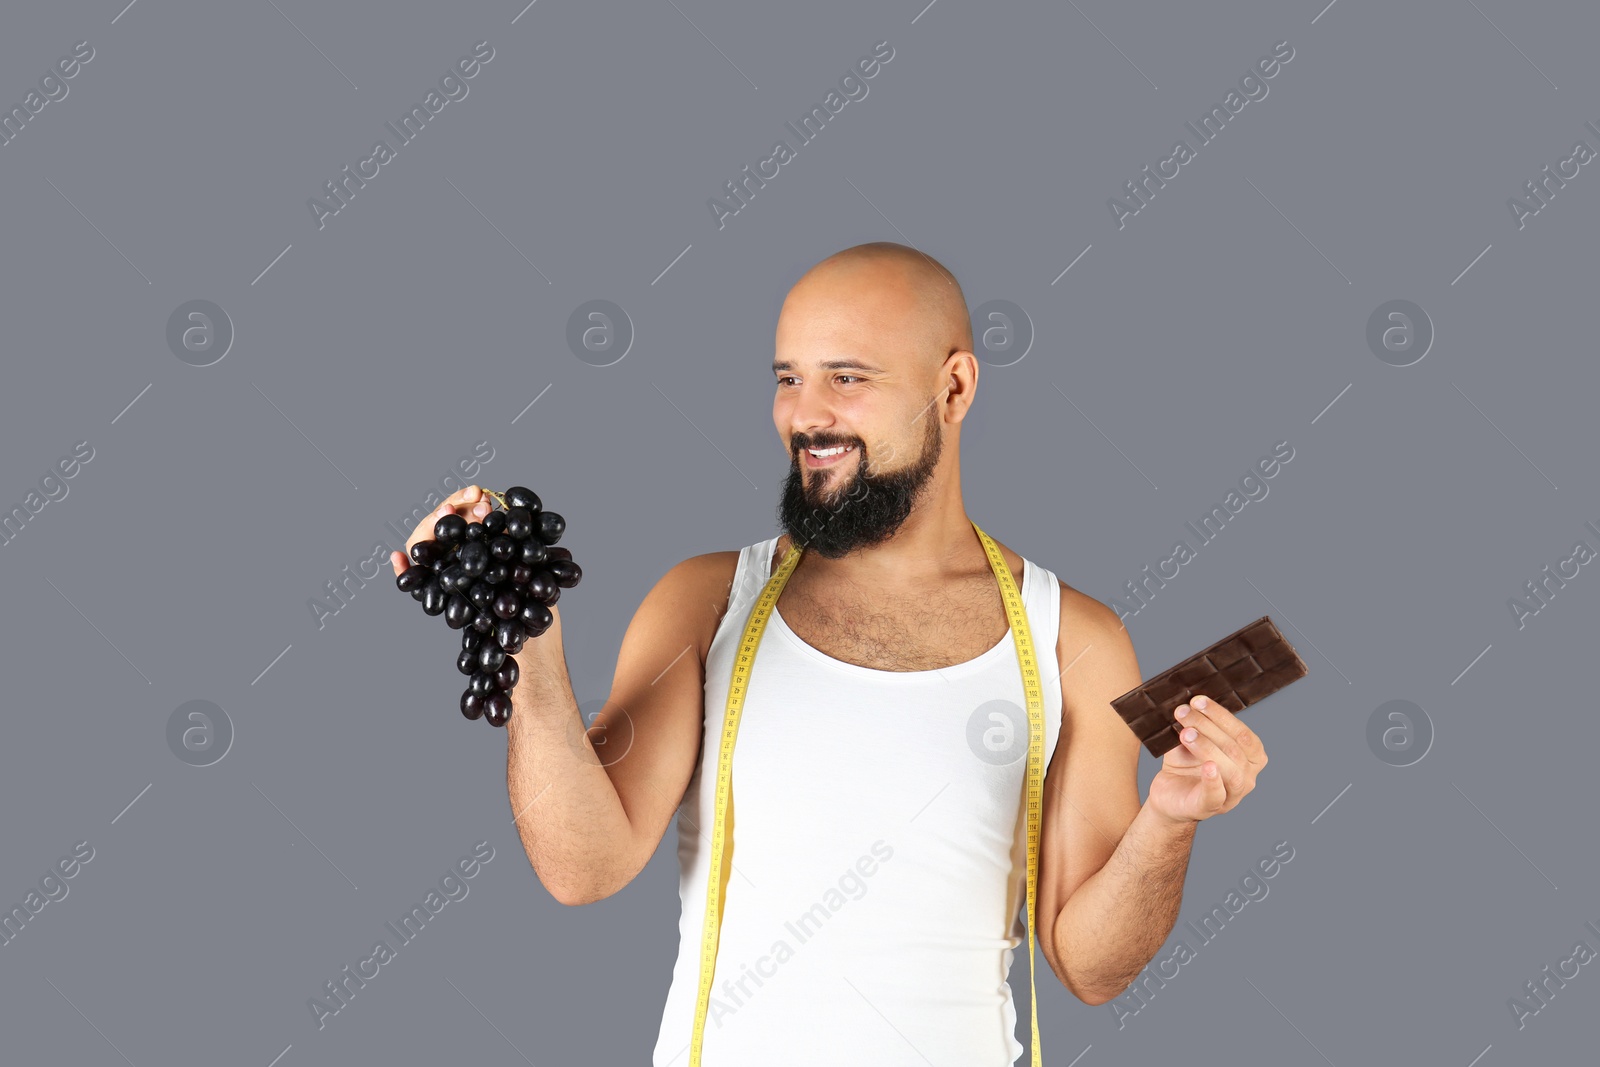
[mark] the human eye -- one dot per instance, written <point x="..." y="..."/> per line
<point x="852" y="377"/>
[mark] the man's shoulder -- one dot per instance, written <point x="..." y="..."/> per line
<point x="1095" y="641"/>
<point x="1087" y="623"/>
<point x="718" y="561"/>
<point x="705" y="579"/>
<point x="688" y="602"/>
<point x="709" y="566"/>
<point x="1083" y="612"/>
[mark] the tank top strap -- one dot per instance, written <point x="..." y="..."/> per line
<point x="750" y="577"/>
<point x="1041" y="598"/>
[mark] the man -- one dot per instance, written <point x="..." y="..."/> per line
<point x="878" y="832"/>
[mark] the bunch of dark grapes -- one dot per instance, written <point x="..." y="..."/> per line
<point x="494" y="581"/>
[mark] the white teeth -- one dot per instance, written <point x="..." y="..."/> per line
<point x="825" y="452"/>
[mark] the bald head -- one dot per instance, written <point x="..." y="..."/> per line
<point x="897" y="287"/>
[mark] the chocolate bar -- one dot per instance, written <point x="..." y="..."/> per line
<point x="1243" y="668"/>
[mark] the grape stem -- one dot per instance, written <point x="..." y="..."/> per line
<point x="499" y="498"/>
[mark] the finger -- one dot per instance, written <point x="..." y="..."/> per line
<point x="470" y="495"/>
<point x="1225" y="720"/>
<point x="1206" y="749"/>
<point x="477" y="501"/>
<point x="472" y="511"/>
<point x="460" y="501"/>
<point x="400" y="563"/>
<point x="1202" y="714"/>
<point x="470" y="503"/>
<point x="1181" y="756"/>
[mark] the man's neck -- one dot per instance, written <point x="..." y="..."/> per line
<point x="935" y="540"/>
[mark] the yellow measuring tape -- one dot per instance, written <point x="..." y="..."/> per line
<point x="722" y="854"/>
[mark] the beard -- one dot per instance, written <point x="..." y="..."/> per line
<point x="863" y="511"/>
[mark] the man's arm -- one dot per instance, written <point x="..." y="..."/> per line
<point x="1111" y="870"/>
<point x="591" y="804"/>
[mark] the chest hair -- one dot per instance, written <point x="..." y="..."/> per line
<point x="890" y="633"/>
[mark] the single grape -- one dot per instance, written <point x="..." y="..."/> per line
<point x="536" y="617"/>
<point x="502" y="547"/>
<point x="507" y="604"/>
<point x="509" y="634"/>
<point x="506" y="676"/>
<point x="532" y="551"/>
<point x="452" y="579"/>
<point x="494" y="523"/>
<point x="542" y="586"/>
<point x="458" y="611"/>
<point x="473" y="704"/>
<point x="474" y="557"/>
<point x="490" y="657"/>
<point x="467" y="662"/>
<point x="434" y="598"/>
<point x="565" y="572"/>
<point x="481" y="594"/>
<point x="497" y="708"/>
<point x="559" y="553"/>
<point x="476" y="532"/>
<point x="471" y="639"/>
<point x="427" y="553"/>
<point x="551" y="527"/>
<point x="497" y="573"/>
<point x="519" y="523"/>
<point x="483" y="621"/>
<point x="450" y="530"/>
<point x="521" y="573"/>
<point x="521" y="497"/>
<point x="413" y="578"/>
<point x="481" y="682"/>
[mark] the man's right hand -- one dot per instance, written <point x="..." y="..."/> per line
<point x="471" y="504"/>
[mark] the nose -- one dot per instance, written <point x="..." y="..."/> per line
<point x="808" y="412"/>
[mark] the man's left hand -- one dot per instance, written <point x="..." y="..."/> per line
<point x="1213" y="766"/>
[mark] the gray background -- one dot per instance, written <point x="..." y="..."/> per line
<point x="1228" y="315"/>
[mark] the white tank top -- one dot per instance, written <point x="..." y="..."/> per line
<point x="879" y="880"/>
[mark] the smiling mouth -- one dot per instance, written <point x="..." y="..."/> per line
<point x="827" y="457"/>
